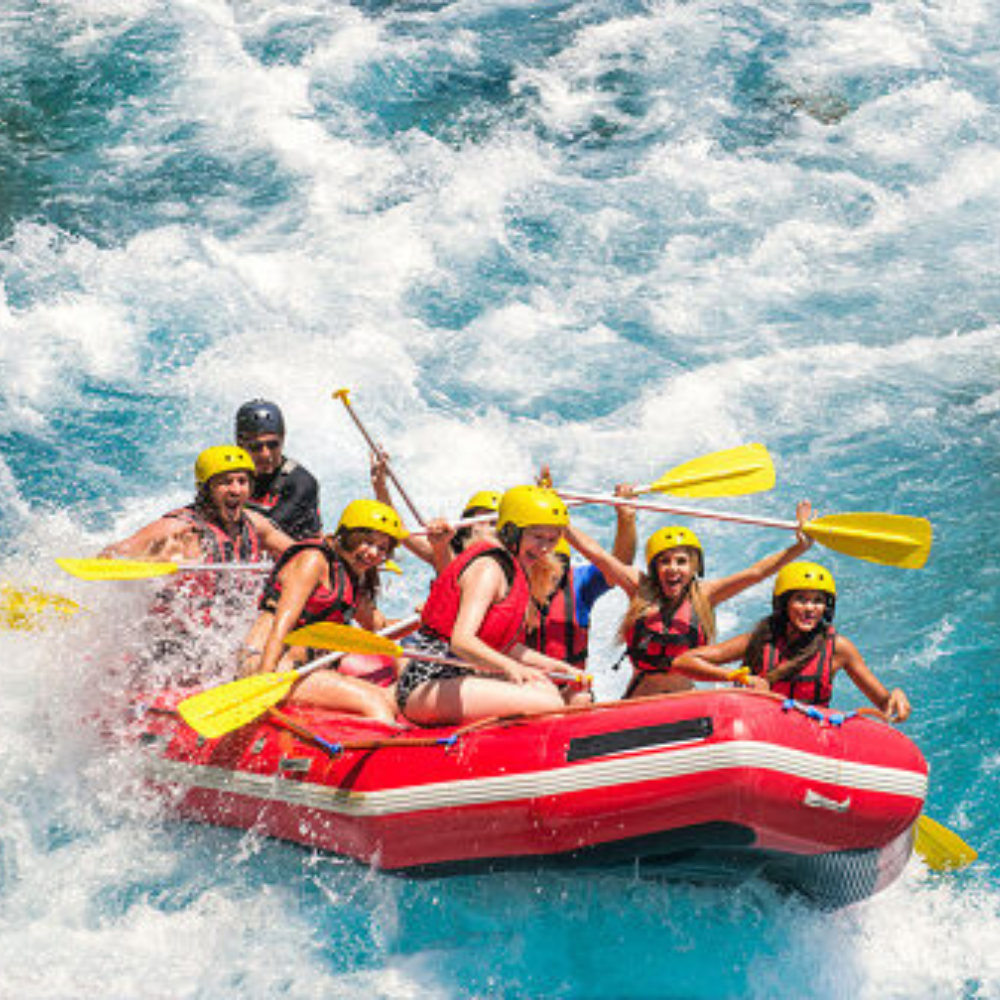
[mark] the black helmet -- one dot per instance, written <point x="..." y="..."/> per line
<point x="259" y="417"/>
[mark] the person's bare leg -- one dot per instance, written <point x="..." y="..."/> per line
<point x="465" y="699"/>
<point x="328" y="689"/>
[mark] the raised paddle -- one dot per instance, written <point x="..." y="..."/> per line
<point x="729" y="473"/>
<point x="344" y="395"/>
<point x="27" y="609"/>
<point x="327" y="635"/>
<point x="134" y="569"/>
<point x="734" y="472"/>
<point x="891" y="539"/>
<point x="941" y="849"/>
<point x="228" y="707"/>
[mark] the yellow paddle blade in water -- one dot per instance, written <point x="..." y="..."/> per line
<point x="346" y="638"/>
<point x="116" y="569"/>
<point x="942" y="849"/>
<point x="28" y="609"/>
<point x="221" y="710"/>
<point x="734" y="472"/>
<point x="891" y="539"/>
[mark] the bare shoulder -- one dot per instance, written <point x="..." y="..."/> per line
<point x="843" y="643"/>
<point x="845" y="653"/>
<point x="482" y="573"/>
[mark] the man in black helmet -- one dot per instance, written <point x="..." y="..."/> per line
<point x="283" y="490"/>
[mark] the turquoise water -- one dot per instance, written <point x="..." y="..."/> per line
<point x="609" y="236"/>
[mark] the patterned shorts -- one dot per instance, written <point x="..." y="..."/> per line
<point x="419" y="671"/>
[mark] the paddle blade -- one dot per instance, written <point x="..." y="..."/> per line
<point x="221" y="710"/>
<point x="735" y="472"/>
<point x="116" y="569"/>
<point x="346" y="638"/>
<point x="942" y="849"/>
<point x="27" y="609"/>
<point x="891" y="539"/>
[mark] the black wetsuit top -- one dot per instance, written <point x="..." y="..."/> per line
<point x="290" y="498"/>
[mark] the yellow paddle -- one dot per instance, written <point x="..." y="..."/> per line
<point x="326" y="635"/>
<point x="891" y="539"/>
<point x="730" y="473"/>
<point x="134" y="569"/>
<point x="27" y="609"/>
<point x="941" y="849"/>
<point x="228" y="707"/>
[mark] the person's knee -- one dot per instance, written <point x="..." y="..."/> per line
<point x="547" y="697"/>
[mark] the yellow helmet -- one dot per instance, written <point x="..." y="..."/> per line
<point x="483" y="500"/>
<point x="372" y="516"/>
<point x="221" y="458"/>
<point x="804" y="576"/>
<point x="674" y="537"/>
<point x="523" y="506"/>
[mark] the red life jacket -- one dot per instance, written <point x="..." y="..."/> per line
<point x="336" y="603"/>
<point x="652" y="645"/>
<point x="191" y="596"/>
<point x="266" y="501"/>
<point x="503" y="621"/>
<point x="558" y="633"/>
<point x="813" y="684"/>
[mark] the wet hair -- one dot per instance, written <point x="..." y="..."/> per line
<point x="460" y="539"/>
<point x="769" y="630"/>
<point x="510" y="537"/>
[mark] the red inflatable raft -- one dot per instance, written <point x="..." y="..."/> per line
<point x="706" y="785"/>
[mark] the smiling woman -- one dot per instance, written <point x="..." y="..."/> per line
<point x="594" y="234"/>
<point x="476" y="609"/>
<point x="333" y="579"/>
<point x="672" y="606"/>
<point x="795" y="650"/>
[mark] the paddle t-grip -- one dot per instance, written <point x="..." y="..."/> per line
<point x="344" y="396"/>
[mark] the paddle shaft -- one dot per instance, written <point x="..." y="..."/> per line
<point x="765" y="522"/>
<point x="257" y="567"/>
<point x="388" y="632"/>
<point x="344" y="396"/>
<point x="462" y="523"/>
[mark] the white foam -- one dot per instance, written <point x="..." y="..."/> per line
<point x="733" y="242"/>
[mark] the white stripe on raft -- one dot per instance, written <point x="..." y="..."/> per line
<point x="621" y="770"/>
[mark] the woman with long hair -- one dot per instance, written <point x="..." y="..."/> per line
<point x="476" y="610"/>
<point x="671" y="605"/>
<point x="332" y="579"/>
<point x="795" y="650"/>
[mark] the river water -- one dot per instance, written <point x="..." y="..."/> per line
<point x="603" y="234"/>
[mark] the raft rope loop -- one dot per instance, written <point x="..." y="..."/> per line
<point x="834" y="719"/>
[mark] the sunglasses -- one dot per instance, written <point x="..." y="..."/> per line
<point x="268" y="444"/>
